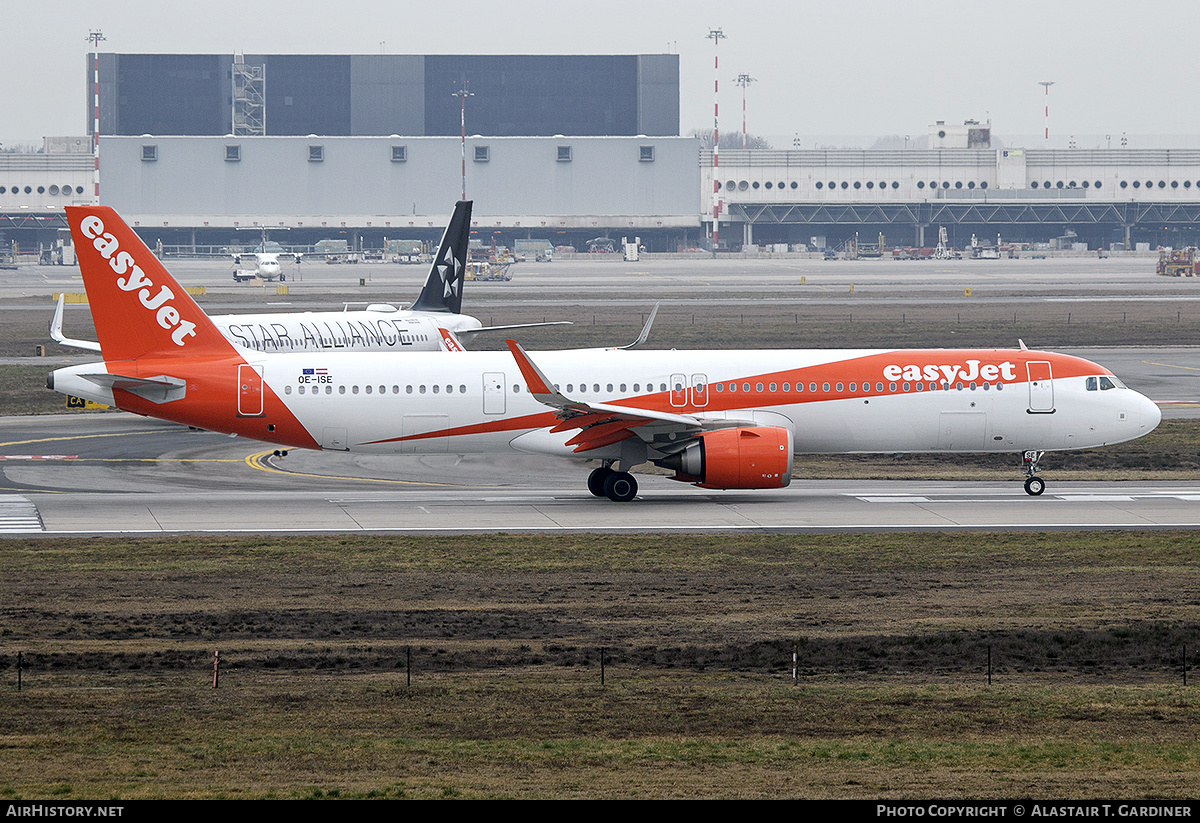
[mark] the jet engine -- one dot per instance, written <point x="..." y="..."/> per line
<point x="747" y="458"/>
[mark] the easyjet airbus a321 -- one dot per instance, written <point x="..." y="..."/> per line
<point x="718" y="419"/>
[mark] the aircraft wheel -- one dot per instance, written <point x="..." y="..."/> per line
<point x="1035" y="486"/>
<point x="596" y="480"/>
<point x="620" y="487"/>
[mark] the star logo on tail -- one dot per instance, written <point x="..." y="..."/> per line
<point x="449" y="279"/>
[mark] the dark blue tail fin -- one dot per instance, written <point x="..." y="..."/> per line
<point x="443" y="287"/>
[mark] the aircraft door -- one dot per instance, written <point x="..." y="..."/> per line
<point x="679" y="390"/>
<point x="250" y="391"/>
<point x="493" y="392"/>
<point x="699" y="390"/>
<point x="1041" y="387"/>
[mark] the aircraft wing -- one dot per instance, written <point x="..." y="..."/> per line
<point x="602" y="424"/>
<point x="56" y="330"/>
<point x="469" y="333"/>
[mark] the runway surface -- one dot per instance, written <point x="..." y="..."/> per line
<point x="114" y="473"/>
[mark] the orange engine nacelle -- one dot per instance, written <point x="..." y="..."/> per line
<point x="748" y="458"/>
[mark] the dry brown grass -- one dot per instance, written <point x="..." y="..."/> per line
<point x="1085" y="632"/>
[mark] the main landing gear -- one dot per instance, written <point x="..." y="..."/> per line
<point x="1034" y="485"/>
<point x="616" y="485"/>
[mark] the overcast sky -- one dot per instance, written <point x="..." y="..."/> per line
<point x="851" y="67"/>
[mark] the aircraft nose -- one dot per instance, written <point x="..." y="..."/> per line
<point x="1151" y="414"/>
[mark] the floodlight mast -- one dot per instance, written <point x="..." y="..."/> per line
<point x="1047" y="84"/>
<point x="95" y="38"/>
<point x="716" y="35"/>
<point x="744" y="80"/>
<point x="462" y="94"/>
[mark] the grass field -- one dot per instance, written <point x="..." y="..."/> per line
<point x="1085" y="633"/>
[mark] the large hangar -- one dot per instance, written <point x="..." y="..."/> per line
<point x="343" y="95"/>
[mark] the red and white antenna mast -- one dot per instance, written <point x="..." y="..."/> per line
<point x="462" y="94"/>
<point x="744" y="80"/>
<point x="716" y="35"/>
<point x="95" y="38"/>
<point x="1047" y="84"/>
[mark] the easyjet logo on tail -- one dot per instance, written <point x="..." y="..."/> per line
<point x="972" y="370"/>
<point x="122" y="263"/>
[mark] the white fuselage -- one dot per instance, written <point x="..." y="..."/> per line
<point x="378" y="328"/>
<point x="478" y="402"/>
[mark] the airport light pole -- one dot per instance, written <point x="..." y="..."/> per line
<point x="95" y="37"/>
<point x="744" y="80"/>
<point x="1047" y="84"/>
<point x="716" y="35"/>
<point x="462" y="94"/>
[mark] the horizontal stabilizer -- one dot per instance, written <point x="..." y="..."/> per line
<point x="158" y="389"/>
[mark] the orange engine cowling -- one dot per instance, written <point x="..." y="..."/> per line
<point x="748" y="458"/>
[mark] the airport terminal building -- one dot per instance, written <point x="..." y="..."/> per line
<point x="562" y="147"/>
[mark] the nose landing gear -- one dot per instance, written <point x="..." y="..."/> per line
<point x="1034" y="485"/>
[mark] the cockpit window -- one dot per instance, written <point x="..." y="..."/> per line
<point x="1103" y="383"/>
